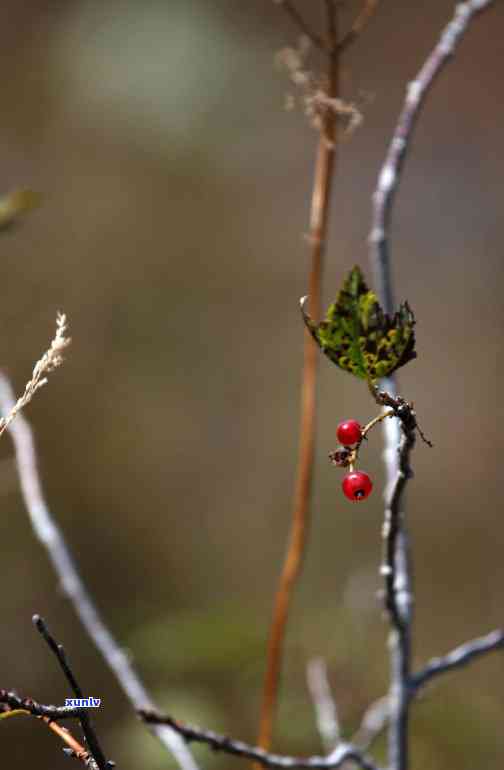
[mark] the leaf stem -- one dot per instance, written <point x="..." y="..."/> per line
<point x="370" y="425"/>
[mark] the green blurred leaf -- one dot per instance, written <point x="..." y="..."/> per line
<point x="359" y="337"/>
<point x="15" y="204"/>
<point x="207" y="641"/>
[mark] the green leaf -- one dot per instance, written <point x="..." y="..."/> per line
<point x="359" y="337"/>
<point x="15" y="204"/>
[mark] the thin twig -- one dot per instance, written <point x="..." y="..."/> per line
<point x="325" y="706"/>
<point x="36" y="709"/>
<point x="377" y="715"/>
<point x="342" y="753"/>
<point x="49" y="534"/>
<point x="332" y="24"/>
<point x="47" y="714"/>
<point x="373" y="722"/>
<point x="319" y="216"/>
<point x="397" y="559"/>
<point x="360" y="22"/>
<point x="75" y="749"/>
<point x="85" y="720"/>
<point x="301" y="23"/>
<point x="458" y="657"/>
<point x="390" y="172"/>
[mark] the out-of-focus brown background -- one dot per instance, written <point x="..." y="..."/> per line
<point x="176" y="192"/>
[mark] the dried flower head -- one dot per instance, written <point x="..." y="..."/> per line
<point x="312" y="90"/>
<point x="52" y="358"/>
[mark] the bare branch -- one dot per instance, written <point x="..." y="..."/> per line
<point x="59" y="653"/>
<point x="390" y="173"/>
<point x="458" y="657"/>
<point x="398" y="600"/>
<point x="14" y="702"/>
<point x="15" y="706"/>
<point x="84" y="718"/>
<point x="342" y="753"/>
<point x="49" y="534"/>
<point x="74" y="747"/>
<point x="332" y="25"/>
<point x="324" y="703"/>
<point x="396" y="567"/>
<point x="300" y="22"/>
<point x="377" y="715"/>
<point x="360" y="22"/>
<point x="373" y="723"/>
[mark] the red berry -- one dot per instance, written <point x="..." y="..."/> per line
<point x="349" y="432"/>
<point x="357" y="485"/>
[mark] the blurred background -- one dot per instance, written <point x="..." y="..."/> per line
<point x="175" y="202"/>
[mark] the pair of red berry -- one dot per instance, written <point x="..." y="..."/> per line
<point x="356" y="484"/>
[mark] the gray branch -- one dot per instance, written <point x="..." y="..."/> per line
<point x="397" y="570"/>
<point x="396" y="564"/>
<point x="398" y="601"/>
<point x="344" y="752"/>
<point x="458" y="657"/>
<point x="14" y="702"/>
<point x="47" y="531"/>
<point x="390" y="173"/>
<point x="373" y="723"/>
<point x="326" y="711"/>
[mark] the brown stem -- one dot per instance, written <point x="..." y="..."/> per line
<point x="324" y="170"/>
<point x="360" y="22"/>
<point x="33" y="709"/>
<point x="300" y="22"/>
<point x="66" y="736"/>
<point x="78" y="750"/>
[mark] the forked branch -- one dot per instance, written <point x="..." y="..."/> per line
<point x="300" y="22"/>
<point x="48" y="532"/>
<point x="87" y="727"/>
<point x="397" y="569"/>
<point x="344" y="752"/>
<point x="11" y="705"/>
<point x="359" y="24"/>
<point x="16" y="703"/>
<point x="390" y="173"/>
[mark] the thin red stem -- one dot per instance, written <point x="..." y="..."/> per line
<point x="319" y="216"/>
